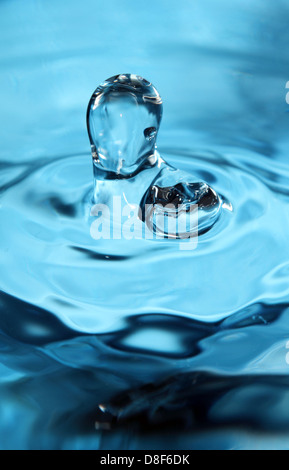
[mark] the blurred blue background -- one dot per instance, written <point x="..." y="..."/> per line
<point x="219" y="66"/>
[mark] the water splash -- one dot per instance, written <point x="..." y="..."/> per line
<point x="123" y="119"/>
<point x="170" y="349"/>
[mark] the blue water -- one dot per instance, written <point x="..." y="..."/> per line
<point x="123" y="119"/>
<point x="137" y="344"/>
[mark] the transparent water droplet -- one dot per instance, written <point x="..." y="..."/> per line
<point x="164" y="199"/>
<point x="123" y="119"/>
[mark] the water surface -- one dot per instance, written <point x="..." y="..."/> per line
<point x="137" y="344"/>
